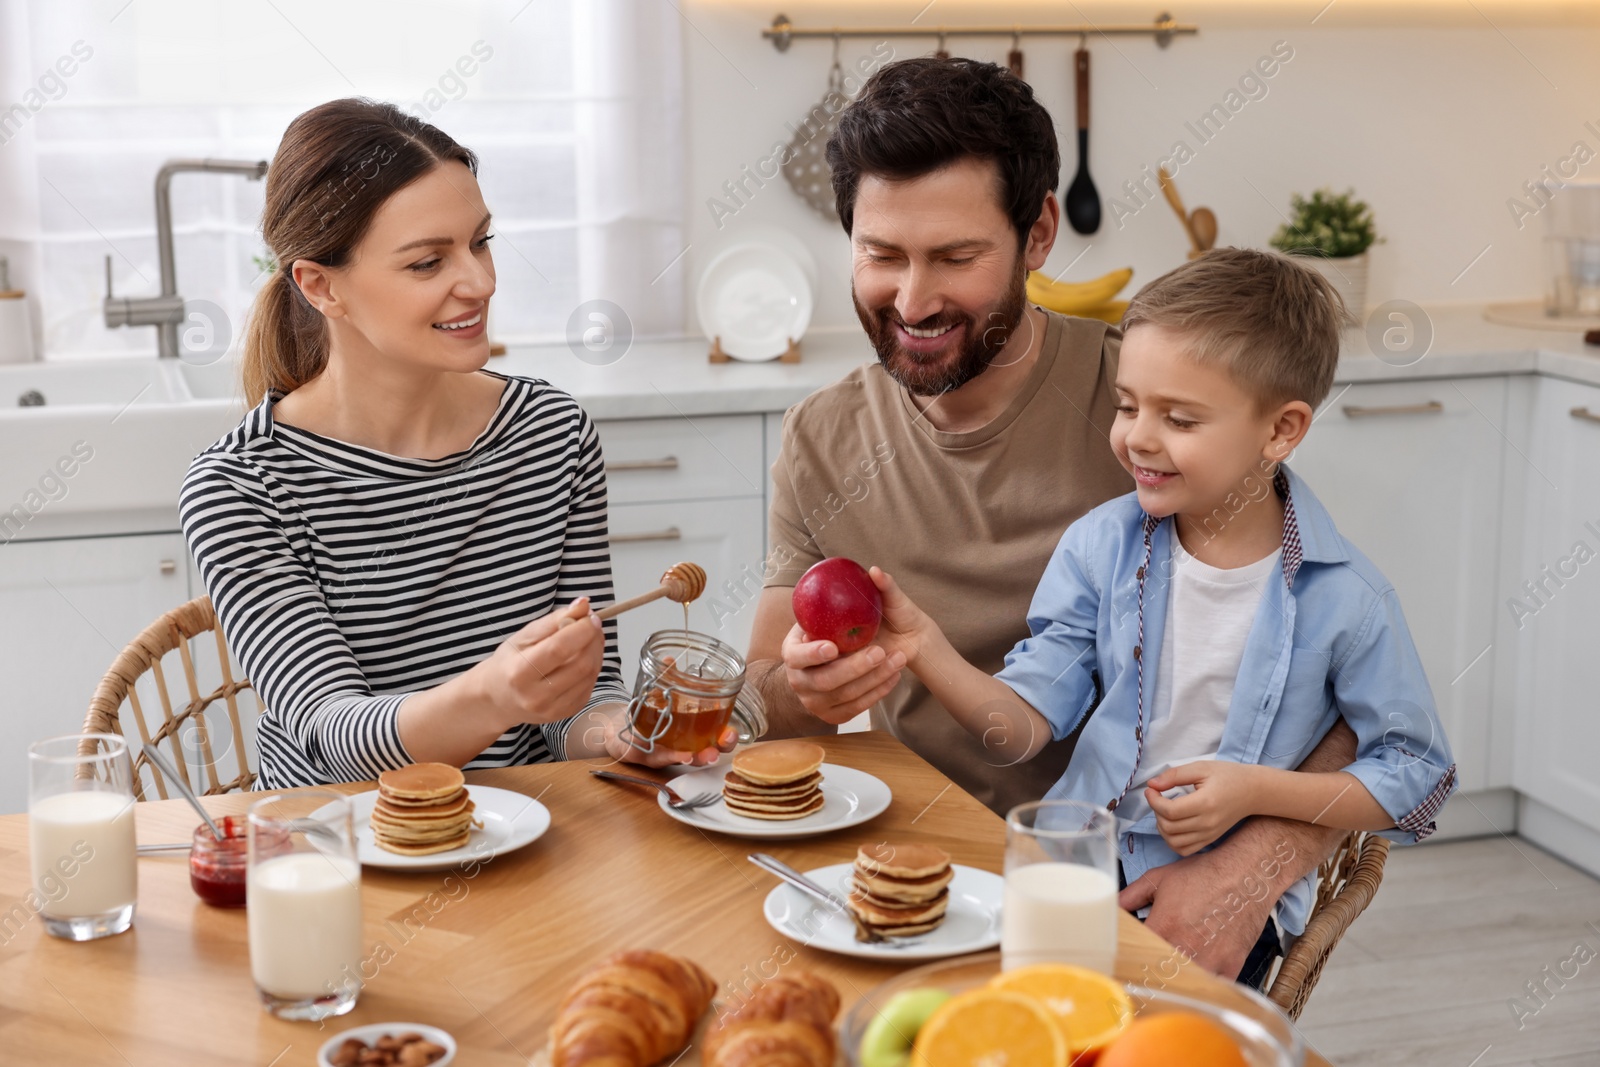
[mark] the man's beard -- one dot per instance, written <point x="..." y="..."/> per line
<point x="982" y="339"/>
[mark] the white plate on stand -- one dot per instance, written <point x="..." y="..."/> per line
<point x="756" y="298"/>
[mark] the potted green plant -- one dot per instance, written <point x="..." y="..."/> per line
<point x="1333" y="231"/>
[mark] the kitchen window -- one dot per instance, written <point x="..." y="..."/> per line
<point x="573" y="107"/>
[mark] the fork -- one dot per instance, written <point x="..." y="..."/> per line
<point x="674" y="801"/>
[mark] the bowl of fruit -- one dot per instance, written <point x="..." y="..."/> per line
<point x="967" y="1012"/>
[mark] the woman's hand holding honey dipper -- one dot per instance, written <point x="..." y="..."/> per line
<point x="604" y="730"/>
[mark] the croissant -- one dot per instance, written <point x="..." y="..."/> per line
<point x="785" y="1022"/>
<point x="632" y="1009"/>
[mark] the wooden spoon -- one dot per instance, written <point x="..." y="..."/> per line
<point x="1203" y="224"/>
<point x="1170" y="191"/>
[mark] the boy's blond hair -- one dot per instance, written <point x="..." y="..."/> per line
<point x="1274" y="323"/>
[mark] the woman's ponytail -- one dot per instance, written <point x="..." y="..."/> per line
<point x="285" y="342"/>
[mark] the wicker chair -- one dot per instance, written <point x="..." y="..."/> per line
<point x="186" y="732"/>
<point x="1347" y="882"/>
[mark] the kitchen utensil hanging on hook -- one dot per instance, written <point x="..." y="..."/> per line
<point x="1082" y="200"/>
<point x="806" y="169"/>
<point x="942" y="52"/>
<point x="1014" y="57"/>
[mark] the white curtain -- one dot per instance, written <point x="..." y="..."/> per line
<point x="573" y="106"/>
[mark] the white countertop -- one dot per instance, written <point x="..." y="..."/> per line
<point x="143" y="448"/>
<point x="661" y="379"/>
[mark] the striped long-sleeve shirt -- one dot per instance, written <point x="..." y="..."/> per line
<point x="346" y="579"/>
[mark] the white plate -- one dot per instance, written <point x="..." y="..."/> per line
<point x="371" y="1033"/>
<point x="777" y="237"/>
<point x="850" y="797"/>
<point x="971" y="924"/>
<point x="510" y="820"/>
<point x="756" y="298"/>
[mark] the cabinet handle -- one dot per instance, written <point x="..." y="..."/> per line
<point x="665" y="463"/>
<point x="1585" y="414"/>
<point x="169" y="566"/>
<point x="671" y="533"/>
<point x="1354" y="411"/>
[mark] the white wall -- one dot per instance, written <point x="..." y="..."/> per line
<point x="1437" y="122"/>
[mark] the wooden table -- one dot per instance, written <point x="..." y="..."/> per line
<point x="485" y="953"/>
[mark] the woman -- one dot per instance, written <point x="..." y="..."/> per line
<point x="389" y="532"/>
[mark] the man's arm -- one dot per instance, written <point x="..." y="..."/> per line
<point x="1213" y="905"/>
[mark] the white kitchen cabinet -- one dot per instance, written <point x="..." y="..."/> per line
<point x="723" y="536"/>
<point x="1411" y="473"/>
<point x="1555" y="603"/>
<point x="699" y="458"/>
<point x="687" y="489"/>
<point x="774" y="432"/>
<point x="70" y="607"/>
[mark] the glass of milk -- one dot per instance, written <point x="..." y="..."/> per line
<point x="81" y="846"/>
<point x="1061" y="886"/>
<point x="303" y="904"/>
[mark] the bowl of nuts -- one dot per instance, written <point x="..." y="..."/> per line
<point x="388" y="1045"/>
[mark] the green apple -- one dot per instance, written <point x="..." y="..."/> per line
<point x="887" y="1042"/>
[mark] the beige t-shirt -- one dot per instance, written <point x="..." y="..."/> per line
<point x="965" y="522"/>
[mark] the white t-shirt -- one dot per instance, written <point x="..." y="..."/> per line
<point x="1209" y="614"/>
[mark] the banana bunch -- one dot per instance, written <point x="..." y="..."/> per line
<point x="1091" y="299"/>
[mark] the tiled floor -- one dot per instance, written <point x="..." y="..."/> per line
<point x="1432" y="974"/>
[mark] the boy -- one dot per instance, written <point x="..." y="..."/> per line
<point x="1214" y="620"/>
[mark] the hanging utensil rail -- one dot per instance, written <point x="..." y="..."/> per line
<point x="782" y="32"/>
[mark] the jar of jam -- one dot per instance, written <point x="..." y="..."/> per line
<point x="217" y="868"/>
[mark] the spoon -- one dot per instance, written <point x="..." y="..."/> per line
<point x="1170" y="191"/>
<point x="1083" y="202"/>
<point x="163" y="765"/>
<point x="1204" y="226"/>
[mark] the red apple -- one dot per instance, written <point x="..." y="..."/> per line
<point x="836" y="601"/>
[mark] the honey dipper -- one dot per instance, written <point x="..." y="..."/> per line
<point x="682" y="583"/>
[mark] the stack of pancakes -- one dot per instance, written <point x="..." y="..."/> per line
<point x="900" y="890"/>
<point x="777" y="780"/>
<point x="421" y="809"/>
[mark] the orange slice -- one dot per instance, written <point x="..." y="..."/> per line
<point x="1090" y="1008"/>
<point x="1176" y="1037"/>
<point x="990" y="1028"/>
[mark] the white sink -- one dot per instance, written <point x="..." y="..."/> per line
<point x="114" y="383"/>
<point x="214" y="381"/>
<point x="110" y="436"/>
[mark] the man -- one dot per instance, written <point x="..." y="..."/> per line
<point x="957" y="461"/>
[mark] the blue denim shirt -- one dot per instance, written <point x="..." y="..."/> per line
<point x="1328" y="641"/>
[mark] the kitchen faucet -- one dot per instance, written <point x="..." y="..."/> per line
<point x="165" y="312"/>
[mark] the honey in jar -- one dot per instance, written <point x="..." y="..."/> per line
<point x="690" y="687"/>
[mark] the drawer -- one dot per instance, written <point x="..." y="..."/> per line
<point x="650" y="460"/>
<point x="723" y="536"/>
